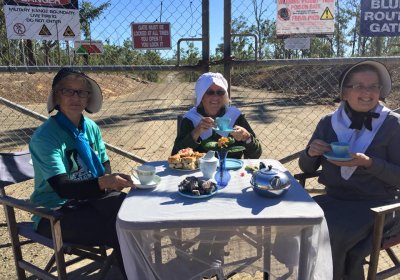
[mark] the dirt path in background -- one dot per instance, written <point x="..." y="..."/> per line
<point x="144" y="95"/>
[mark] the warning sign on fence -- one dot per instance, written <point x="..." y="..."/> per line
<point x="156" y="35"/>
<point x="47" y="20"/>
<point x="309" y="17"/>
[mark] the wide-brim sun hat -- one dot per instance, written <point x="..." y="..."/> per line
<point x="384" y="76"/>
<point x="96" y="96"/>
<point x="205" y="81"/>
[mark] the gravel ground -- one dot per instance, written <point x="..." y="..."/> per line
<point x="112" y="86"/>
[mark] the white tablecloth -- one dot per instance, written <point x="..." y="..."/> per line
<point x="166" y="236"/>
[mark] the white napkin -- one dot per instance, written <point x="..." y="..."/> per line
<point x="231" y="112"/>
<point x="359" y="140"/>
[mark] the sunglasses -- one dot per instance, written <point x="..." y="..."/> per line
<point x="215" y="92"/>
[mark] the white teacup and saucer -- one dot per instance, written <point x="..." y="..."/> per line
<point x="144" y="177"/>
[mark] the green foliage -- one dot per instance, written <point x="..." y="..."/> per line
<point x="190" y="56"/>
<point x="88" y="13"/>
<point x="346" y="41"/>
<point x="213" y="146"/>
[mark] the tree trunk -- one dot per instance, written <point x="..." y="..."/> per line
<point x="29" y="49"/>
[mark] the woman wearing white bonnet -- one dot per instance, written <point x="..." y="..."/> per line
<point x="368" y="176"/>
<point x="212" y="101"/>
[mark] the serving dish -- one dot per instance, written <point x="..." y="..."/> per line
<point x="189" y="195"/>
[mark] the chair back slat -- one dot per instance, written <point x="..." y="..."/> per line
<point x="15" y="168"/>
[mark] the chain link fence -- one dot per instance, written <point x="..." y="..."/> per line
<point x="283" y="93"/>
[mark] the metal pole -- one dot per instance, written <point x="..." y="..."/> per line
<point x="227" y="42"/>
<point x="206" y="35"/>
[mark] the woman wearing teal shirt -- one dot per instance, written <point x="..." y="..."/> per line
<point x="72" y="170"/>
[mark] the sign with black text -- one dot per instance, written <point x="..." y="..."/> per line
<point x="380" y="18"/>
<point x="42" y="19"/>
<point x="300" y="17"/>
<point x="155" y="35"/>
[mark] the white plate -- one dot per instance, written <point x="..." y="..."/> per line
<point x="332" y="156"/>
<point x="197" y="196"/>
<point x="151" y="185"/>
<point x="185" y="170"/>
<point x="226" y="130"/>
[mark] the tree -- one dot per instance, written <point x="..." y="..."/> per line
<point x="341" y="20"/>
<point x="262" y="27"/>
<point x="240" y="45"/>
<point x="88" y="13"/>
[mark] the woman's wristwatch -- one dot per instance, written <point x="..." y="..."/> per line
<point x="248" y="141"/>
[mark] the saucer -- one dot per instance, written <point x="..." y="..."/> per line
<point x="225" y="130"/>
<point x="151" y="185"/>
<point x="332" y="156"/>
<point x="233" y="164"/>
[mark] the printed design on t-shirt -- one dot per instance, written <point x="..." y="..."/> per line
<point x="77" y="168"/>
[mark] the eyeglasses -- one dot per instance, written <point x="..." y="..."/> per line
<point x="215" y="92"/>
<point x="71" y="92"/>
<point x="360" y="88"/>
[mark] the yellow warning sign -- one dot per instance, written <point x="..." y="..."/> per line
<point x="68" y="32"/>
<point x="44" y="31"/>
<point x="327" y="14"/>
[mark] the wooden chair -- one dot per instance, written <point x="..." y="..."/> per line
<point x="379" y="243"/>
<point x="16" y="168"/>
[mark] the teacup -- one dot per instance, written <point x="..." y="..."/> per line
<point x="340" y="148"/>
<point x="145" y="173"/>
<point x="223" y="123"/>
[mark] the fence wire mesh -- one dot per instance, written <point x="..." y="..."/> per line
<point x="283" y="94"/>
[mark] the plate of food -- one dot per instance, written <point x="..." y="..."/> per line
<point x="195" y="188"/>
<point x="185" y="160"/>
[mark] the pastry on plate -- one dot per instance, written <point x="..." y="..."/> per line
<point x="189" y="163"/>
<point x="187" y="152"/>
<point x="175" y="161"/>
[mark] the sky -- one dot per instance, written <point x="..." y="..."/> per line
<point x="184" y="15"/>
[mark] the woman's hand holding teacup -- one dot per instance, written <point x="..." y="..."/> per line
<point x="317" y="147"/>
<point x="205" y="124"/>
<point x="359" y="159"/>
<point x="115" y="182"/>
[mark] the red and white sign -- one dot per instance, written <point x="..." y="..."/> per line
<point x="44" y="3"/>
<point x="88" y="47"/>
<point x="155" y="35"/>
<point x="296" y="17"/>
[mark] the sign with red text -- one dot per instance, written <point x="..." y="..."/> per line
<point x="155" y="35"/>
<point x="42" y="19"/>
<point x="311" y="17"/>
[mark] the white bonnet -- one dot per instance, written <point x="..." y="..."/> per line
<point x="205" y="81"/>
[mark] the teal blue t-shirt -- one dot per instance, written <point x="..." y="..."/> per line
<point x="53" y="153"/>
